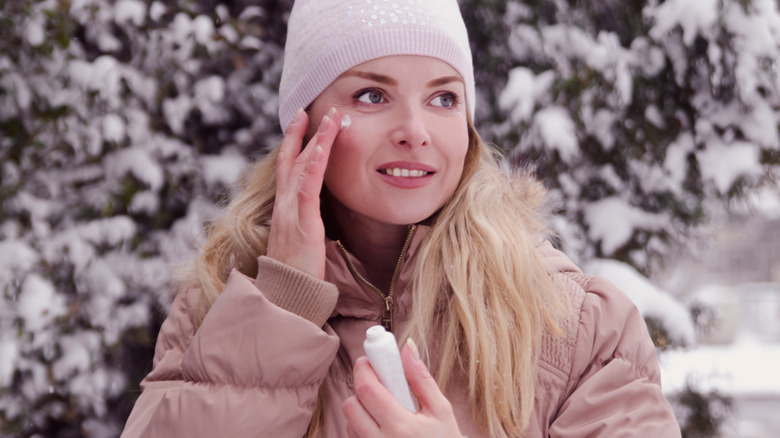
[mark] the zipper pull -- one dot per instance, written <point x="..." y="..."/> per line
<point x="387" y="317"/>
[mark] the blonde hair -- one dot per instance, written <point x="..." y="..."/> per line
<point x="494" y="294"/>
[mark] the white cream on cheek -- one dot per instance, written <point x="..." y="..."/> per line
<point x="346" y="122"/>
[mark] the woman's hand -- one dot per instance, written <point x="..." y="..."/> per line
<point x="373" y="412"/>
<point x="297" y="234"/>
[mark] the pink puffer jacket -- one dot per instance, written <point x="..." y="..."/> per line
<point x="255" y="364"/>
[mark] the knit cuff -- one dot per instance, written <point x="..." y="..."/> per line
<point x="296" y="291"/>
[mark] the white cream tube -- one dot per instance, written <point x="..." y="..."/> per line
<point x="382" y="352"/>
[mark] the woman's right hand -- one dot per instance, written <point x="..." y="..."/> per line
<point x="297" y="234"/>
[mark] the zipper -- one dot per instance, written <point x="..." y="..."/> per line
<point x="387" y="298"/>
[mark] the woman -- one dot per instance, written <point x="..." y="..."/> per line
<point x="402" y="218"/>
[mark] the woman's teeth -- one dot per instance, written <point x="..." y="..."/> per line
<point x="411" y="173"/>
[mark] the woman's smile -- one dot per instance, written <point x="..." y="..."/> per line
<point x="407" y="175"/>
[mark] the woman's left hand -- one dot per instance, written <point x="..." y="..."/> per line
<point x="373" y="412"/>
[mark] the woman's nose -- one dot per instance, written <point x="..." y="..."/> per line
<point x="411" y="130"/>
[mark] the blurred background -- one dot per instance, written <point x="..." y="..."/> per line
<point x="125" y="124"/>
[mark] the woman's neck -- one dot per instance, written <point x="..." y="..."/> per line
<point x="377" y="245"/>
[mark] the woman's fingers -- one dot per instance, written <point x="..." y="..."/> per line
<point x="290" y="148"/>
<point x="372" y="394"/>
<point x="297" y="236"/>
<point x="373" y="412"/>
<point x="359" y="418"/>
<point x="314" y="161"/>
<point x="422" y="384"/>
<point x="380" y="408"/>
<point x="351" y="432"/>
<point x="359" y="421"/>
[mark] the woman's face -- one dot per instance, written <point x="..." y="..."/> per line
<point x="402" y="156"/>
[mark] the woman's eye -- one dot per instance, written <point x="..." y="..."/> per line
<point x="370" y="96"/>
<point x="445" y="100"/>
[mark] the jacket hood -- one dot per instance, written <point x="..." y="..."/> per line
<point x="555" y="259"/>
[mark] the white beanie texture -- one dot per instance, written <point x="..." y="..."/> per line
<point x="325" y="38"/>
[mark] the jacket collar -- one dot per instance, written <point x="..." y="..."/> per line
<point x="356" y="300"/>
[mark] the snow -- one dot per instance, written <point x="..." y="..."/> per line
<point x="229" y="33"/>
<point x="557" y="131"/>
<point x="208" y="94"/>
<point x="137" y="162"/>
<point x="35" y="32"/>
<point x="601" y="125"/>
<point x="111" y="231"/>
<point x="9" y="352"/>
<point x="252" y="43"/>
<point x="16" y="83"/>
<point x="77" y="354"/>
<point x="93" y="388"/>
<point x="694" y="16"/>
<point x="676" y="161"/>
<point x="102" y="75"/>
<point x="724" y="164"/>
<point x="740" y="369"/>
<point x="144" y="202"/>
<point x="15" y="256"/>
<point x="181" y="26"/>
<point x="612" y="221"/>
<point x="130" y="11"/>
<point x="766" y="202"/>
<point x="760" y="126"/>
<point x="39" y="303"/>
<point x="113" y="128"/>
<point x="203" y="29"/>
<point x="157" y="10"/>
<point x="522" y="90"/>
<point x="223" y="169"/>
<point x="176" y="111"/>
<point x="251" y="12"/>
<point x="649" y="299"/>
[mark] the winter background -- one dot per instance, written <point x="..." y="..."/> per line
<point x="125" y="124"/>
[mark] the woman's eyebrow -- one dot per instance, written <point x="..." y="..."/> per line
<point x="376" y="77"/>
<point x="443" y="81"/>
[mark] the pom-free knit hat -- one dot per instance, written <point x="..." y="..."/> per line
<point x="325" y="38"/>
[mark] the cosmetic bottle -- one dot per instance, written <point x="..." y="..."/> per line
<point x="382" y="351"/>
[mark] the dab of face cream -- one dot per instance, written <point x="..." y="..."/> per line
<point x="346" y="121"/>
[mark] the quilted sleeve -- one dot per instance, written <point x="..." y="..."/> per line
<point x="252" y="368"/>
<point x="614" y="386"/>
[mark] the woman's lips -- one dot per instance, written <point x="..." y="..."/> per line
<point x="406" y="174"/>
<point x="411" y="173"/>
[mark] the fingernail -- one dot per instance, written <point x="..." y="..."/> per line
<point x="332" y="113"/>
<point x="413" y="348"/>
<point x="317" y="154"/>
<point x="298" y="117"/>
<point x="324" y="124"/>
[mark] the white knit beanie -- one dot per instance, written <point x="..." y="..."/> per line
<point x="325" y="38"/>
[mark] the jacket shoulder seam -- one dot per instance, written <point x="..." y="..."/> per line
<point x="558" y="351"/>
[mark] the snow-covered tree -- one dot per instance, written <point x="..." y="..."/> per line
<point x="121" y="124"/>
<point x="643" y="117"/>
